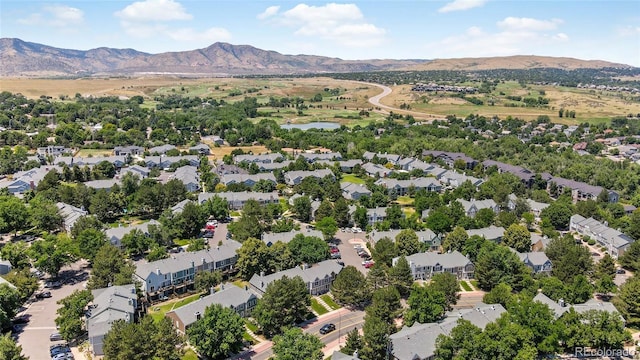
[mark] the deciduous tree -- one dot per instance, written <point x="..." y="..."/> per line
<point x="284" y="303"/>
<point x="218" y="333"/>
<point x="293" y="344"/>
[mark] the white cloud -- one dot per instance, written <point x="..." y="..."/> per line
<point x="149" y="18"/>
<point x="153" y="10"/>
<point x="56" y="16"/>
<point x="515" y="36"/>
<point x="343" y="24"/>
<point x="461" y="5"/>
<point x="514" y="23"/>
<point x="268" y="12"/>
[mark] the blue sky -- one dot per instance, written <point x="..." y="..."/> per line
<point x="417" y="29"/>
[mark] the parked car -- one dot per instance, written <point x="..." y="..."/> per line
<point x="52" y="284"/>
<point x="43" y="295"/>
<point x="55" y="337"/>
<point x="327" y="328"/>
<point x="20" y="320"/>
<point x="336" y="255"/>
<point x="621" y="271"/>
<point x="334" y="249"/>
<point x="368" y="264"/>
<point x="59" y="349"/>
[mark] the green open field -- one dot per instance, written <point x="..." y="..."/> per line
<point x="352" y="179"/>
<point x="157" y="312"/>
<point x="329" y="301"/>
<point x="319" y="309"/>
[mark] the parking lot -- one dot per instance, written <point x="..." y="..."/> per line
<point x="346" y="243"/>
<point x="34" y="336"/>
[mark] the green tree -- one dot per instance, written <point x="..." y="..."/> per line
<point x="348" y="289"/>
<point x="455" y="240"/>
<point x="9" y="350"/>
<point x="52" y="253"/>
<point x="400" y="276"/>
<point x="407" y="242"/>
<point x="628" y="301"/>
<point x="44" y="214"/>
<point x="426" y="305"/>
<point x="376" y="338"/>
<point x="218" y="333"/>
<point x="497" y="264"/>
<point x="394" y="215"/>
<point x="135" y="242"/>
<point x="143" y="340"/>
<point x="377" y="276"/>
<point x="205" y="280"/>
<point x="13" y="214"/>
<point x="568" y="258"/>
<point x="360" y="217"/>
<point x="293" y="344"/>
<point x="438" y="221"/>
<point x="9" y="304"/>
<point x="69" y="319"/>
<point x="216" y="207"/>
<point x="384" y="251"/>
<point x="539" y="319"/>
<point x="280" y="257"/>
<point x="325" y="209"/>
<point x="302" y="208"/>
<point x="385" y="304"/>
<point x="580" y="290"/>
<point x="446" y="283"/>
<point x="308" y="249"/>
<point x="252" y="258"/>
<point x="517" y="237"/>
<point x="341" y="212"/>
<point x="191" y="220"/>
<point x="17" y="253"/>
<point x="25" y="281"/>
<point x="110" y="267"/>
<point x="554" y="288"/>
<point x="285" y="302"/>
<point x="328" y="226"/>
<point x="631" y="258"/>
<point x="104" y="170"/>
<point x="605" y="267"/>
<point x="459" y="344"/>
<point x="353" y="343"/>
<point x="89" y="241"/>
<point x="559" y="213"/>
<point x="501" y="294"/>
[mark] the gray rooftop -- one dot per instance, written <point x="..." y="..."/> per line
<point x="310" y="274"/>
<point x="419" y="340"/>
<point x="489" y="233"/>
<point x="446" y="260"/>
<point x="286" y="237"/>
<point x="228" y="296"/>
<point x="423" y="236"/>
<point x="239" y="196"/>
<point x="181" y="261"/>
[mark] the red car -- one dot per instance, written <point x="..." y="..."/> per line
<point x="334" y="250"/>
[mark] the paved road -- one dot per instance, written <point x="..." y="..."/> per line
<point x="34" y="337"/>
<point x="345" y="321"/>
<point x="375" y="101"/>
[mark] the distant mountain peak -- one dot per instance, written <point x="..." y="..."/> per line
<point x="22" y="58"/>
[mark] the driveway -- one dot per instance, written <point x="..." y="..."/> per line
<point x="34" y="337"/>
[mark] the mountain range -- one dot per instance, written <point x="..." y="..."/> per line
<point x="22" y="58"/>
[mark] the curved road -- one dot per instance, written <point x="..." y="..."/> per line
<point x="375" y="101"/>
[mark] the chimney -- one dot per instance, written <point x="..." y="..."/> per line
<point x="261" y="273"/>
<point x="221" y="286"/>
<point x="561" y="303"/>
<point x="157" y="271"/>
<point x="212" y="290"/>
<point x="197" y="314"/>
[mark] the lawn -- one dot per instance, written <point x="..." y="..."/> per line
<point x="93" y="152"/>
<point x="157" y="315"/>
<point x="181" y="242"/>
<point x="251" y="326"/>
<point x="404" y="200"/>
<point x="352" y="179"/>
<point x="247" y="337"/>
<point x="319" y="309"/>
<point x="329" y="301"/>
<point x="189" y="355"/>
<point x="465" y="286"/>
<point x="475" y="284"/>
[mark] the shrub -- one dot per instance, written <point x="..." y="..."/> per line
<point x="591" y="242"/>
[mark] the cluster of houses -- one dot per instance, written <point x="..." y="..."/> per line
<point x="436" y="87"/>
